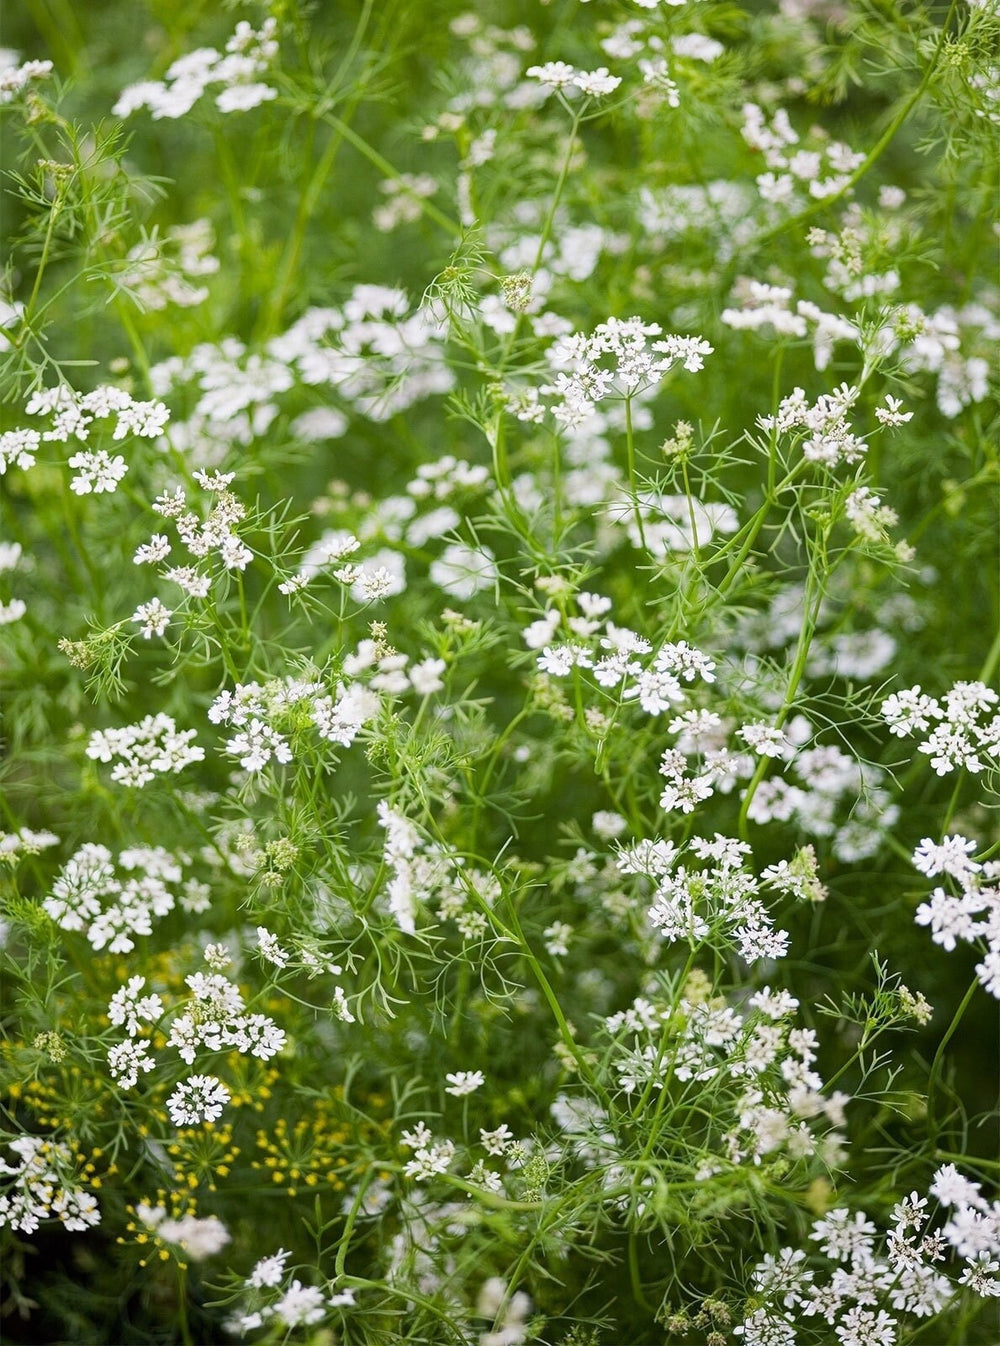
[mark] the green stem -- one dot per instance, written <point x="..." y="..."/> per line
<point x="950" y="1032"/>
<point x="182" y="1310"/>
<point x="632" y="481"/>
<point x="989" y="667"/>
<point x="43" y="260"/>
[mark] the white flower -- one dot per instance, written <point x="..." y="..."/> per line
<point x="126" y="1060"/>
<point x="198" y="1099"/>
<point x="553" y="74"/>
<point x="429" y="1161"/>
<point x="763" y="739"/>
<point x="156" y="549"/>
<point x="10" y="554"/>
<point x="257" y="744"/>
<point x="608" y="825"/>
<point x="130" y="1009"/>
<point x="890" y="414"/>
<point x="242" y="97"/>
<point x="197" y="1238"/>
<point x="952" y="1188"/>
<point x="557" y="937"/>
<point x="951" y="857"/>
<point x="189" y="580"/>
<point x="381" y="576"/>
<point x="596" y="83"/>
<point x="497" y="1142"/>
<point x="97" y="472"/>
<point x="464" y="1082"/>
<point x="153" y="617"/>
<point x="269" y="1270"/>
<point x="270" y="948"/>
<point x="18" y="448"/>
<point x="234" y="553"/>
<point x="300" y="1305"/>
<point x="988" y="972"/>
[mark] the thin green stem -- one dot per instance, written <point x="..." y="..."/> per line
<point x="632" y="480"/>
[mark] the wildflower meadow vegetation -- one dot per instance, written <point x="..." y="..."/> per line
<point x="499" y="638"/>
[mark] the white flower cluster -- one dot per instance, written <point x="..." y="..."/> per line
<point x="25" y="841"/>
<point x="152" y="618"/>
<point x="615" y="360"/>
<point x="866" y="1282"/>
<point x="847" y="653"/>
<point x="826" y="168"/>
<point x="249" y="708"/>
<point x="420" y="518"/>
<point x="373" y="355"/>
<point x="441" y="480"/>
<point x="296" y="1305"/>
<point x="462" y="571"/>
<point x="41" y="1188"/>
<point x="704" y="735"/>
<point x="492" y="72"/>
<point x="256" y="710"/>
<point x="18" y="449"/>
<point x="381" y="576"/>
<point x="247" y="55"/>
<point x="972" y="917"/>
<point x="535" y="258"/>
<point x="196" y="1237"/>
<point x="377" y="356"/>
<point x="333" y="546"/>
<point x="955" y="344"/>
<point x="782" y="1100"/>
<point x="764" y="305"/>
<point x="847" y="272"/>
<point x="161" y="271"/>
<point x="935" y="342"/>
<point x="638" y="38"/>
<point x="966" y="725"/>
<point x="425" y="873"/>
<point x="391" y="673"/>
<point x="557" y="75"/>
<point x="656" y="686"/>
<point x="112" y="909"/>
<point x="14" y="78"/>
<point x="869" y="518"/>
<point x="719" y="900"/>
<point x="430" y="1157"/>
<point x="71" y="416"/>
<point x="215" y="1020"/>
<point x="201" y="537"/>
<point x="722" y="209"/>
<point x="823" y="428"/>
<point x="142" y="751"/>
<point x="196" y="1100"/>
